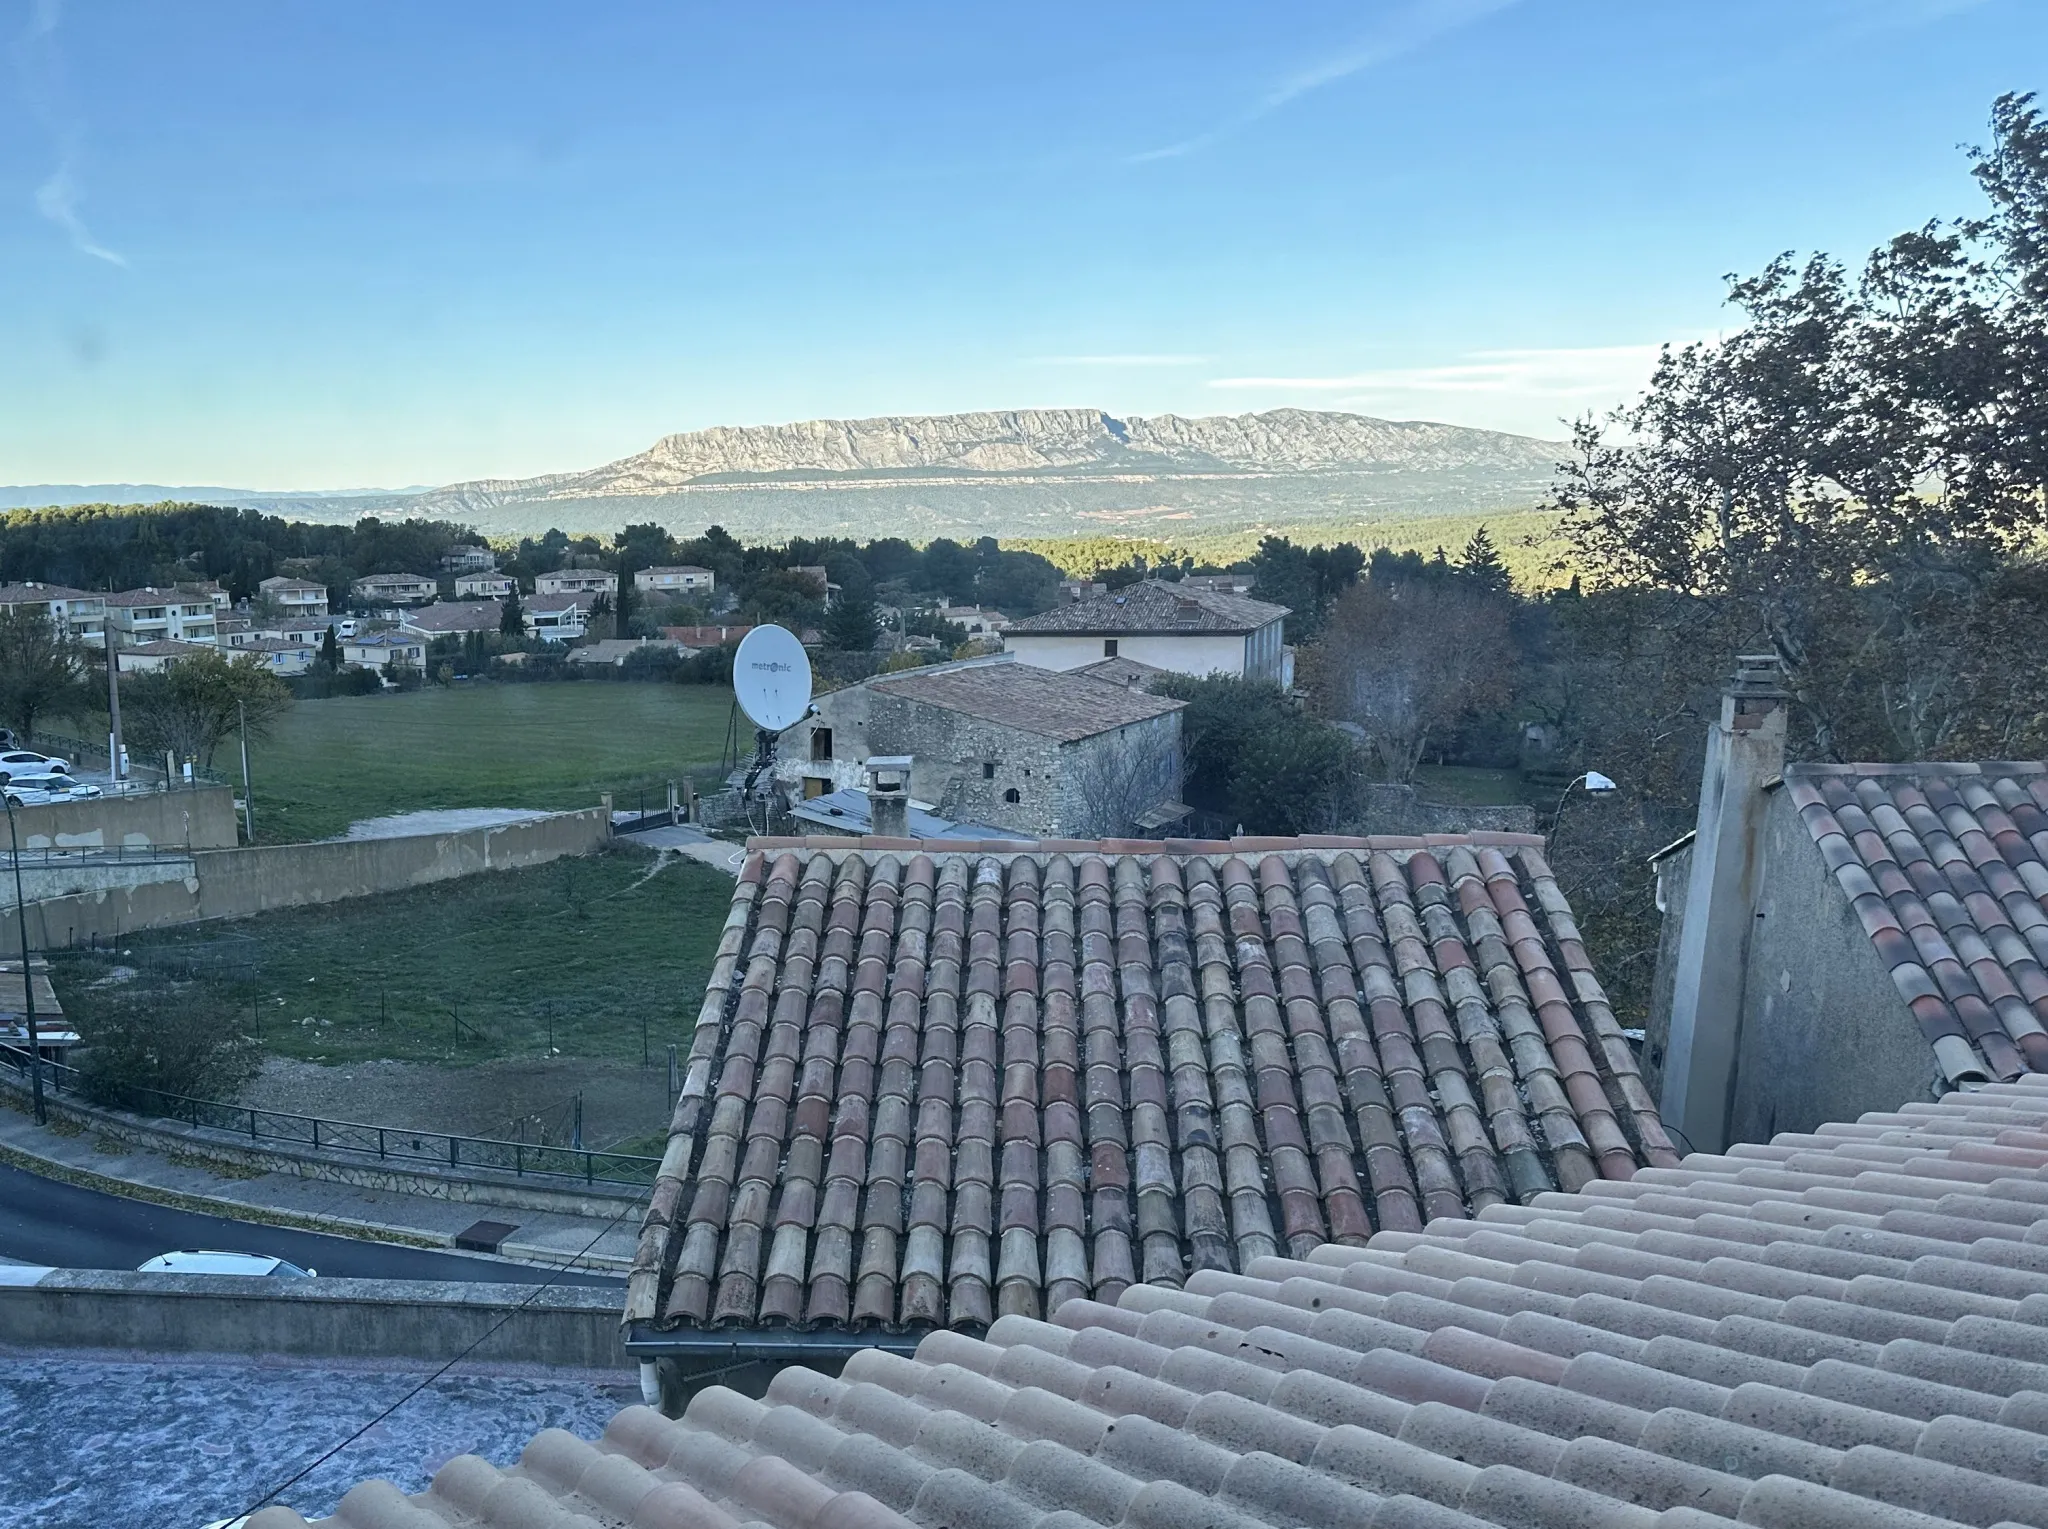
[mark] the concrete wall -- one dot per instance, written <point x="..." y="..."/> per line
<point x="1195" y="653"/>
<point x="62" y="878"/>
<point x="234" y="883"/>
<point x="421" y="1321"/>
<point x="202" y="818"/>
<point x="1823" y="1033"/>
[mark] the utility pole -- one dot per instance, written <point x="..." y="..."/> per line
<point x="114" y="747"/>
<point x="28" y="984"/>
<point x="248" y="801"/>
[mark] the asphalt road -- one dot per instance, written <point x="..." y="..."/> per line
<point x="46" y="1221"/>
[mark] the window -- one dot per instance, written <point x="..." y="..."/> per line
<point x="988" y="769"/>
<point x="1109" y="647"/>
<point x="821" y="743"/>
<point x="1013" y="796"/>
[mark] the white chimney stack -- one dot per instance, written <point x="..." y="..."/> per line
<point x="889" y="796"/>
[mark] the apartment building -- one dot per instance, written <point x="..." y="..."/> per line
<point x="297" y="598"/>
<point x="140" y="616"/>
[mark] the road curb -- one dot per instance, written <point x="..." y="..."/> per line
<point x="237" y="1210"/>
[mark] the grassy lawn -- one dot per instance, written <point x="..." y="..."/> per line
<point x="577" y="954"/>
<point x="1470" y="786"/>
<point x="328" y="763"/>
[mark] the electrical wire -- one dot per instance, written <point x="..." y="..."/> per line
<point x="273" y="1493"/>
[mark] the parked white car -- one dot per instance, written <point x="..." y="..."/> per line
<point x="21" y="762"/>
<point x="26" y="790"/>
<point x="207" y="1262"/>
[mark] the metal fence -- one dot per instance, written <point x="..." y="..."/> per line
<point x="312" y="1133"/>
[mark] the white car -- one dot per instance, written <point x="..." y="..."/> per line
<point x="26" y="790"/>
<point x="205" y="1262"/>
<point x="21" y="762"/>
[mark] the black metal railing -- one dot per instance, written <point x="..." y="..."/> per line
<point x="313" y="1133"/>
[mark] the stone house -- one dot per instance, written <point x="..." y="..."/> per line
<point x="1030" y="751"/>
<point x="1838" y="938"/>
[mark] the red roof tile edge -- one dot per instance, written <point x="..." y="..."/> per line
<point x="1845" y="1329"/>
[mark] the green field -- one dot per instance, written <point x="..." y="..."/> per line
<point x="328" y="763"/>
<point x="569" y="957"/>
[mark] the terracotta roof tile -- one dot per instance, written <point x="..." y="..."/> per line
<point x="1878" y="1376"/>
<point x="1943" y="865"/>
<point x="941" y="1087"/>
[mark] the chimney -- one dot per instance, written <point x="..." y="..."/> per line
<point x="1745" y="752"/>
<point x="889" y="796"/>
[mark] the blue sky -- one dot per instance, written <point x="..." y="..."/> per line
<point x="344" y="244"/>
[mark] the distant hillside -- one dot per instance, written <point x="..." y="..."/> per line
<point x="1015" y="473"/>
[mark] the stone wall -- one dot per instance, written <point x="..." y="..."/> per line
<point x="423" y="1321"/>
<point x="200" y="818"/>
<point x="234" y="883"/>
<point x="1386" y="808"/>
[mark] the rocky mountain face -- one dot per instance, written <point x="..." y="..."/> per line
<point x="1035" y="472"/>
<point x="1013" y="472"/>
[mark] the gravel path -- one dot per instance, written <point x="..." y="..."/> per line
<point x="476" y="1099"/>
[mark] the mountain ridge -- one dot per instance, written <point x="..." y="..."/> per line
<point x="1010" y="472"/>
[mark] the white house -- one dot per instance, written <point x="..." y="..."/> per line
<point x="557" y="618"/>
<point x="297" y="598"/>
<point x="394" y="589"/>
<point x="382" y="650"/>
<point x="279" y="655"/>
<point x="72" y="613"/>
<point x="152" y="657"/>
<point x="468" y="557"/>
<point x="483" y="586"/>
<point x="140" y="616"/>
<point x="589" y="582"/>
<point x="1186" y="631"/>
<point x="977" y="621"/>
<point x="686" y="580"/>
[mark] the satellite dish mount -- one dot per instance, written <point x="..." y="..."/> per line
<point x="771" y="676"/>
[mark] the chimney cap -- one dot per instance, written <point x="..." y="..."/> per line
<point x="1758" y="674"/>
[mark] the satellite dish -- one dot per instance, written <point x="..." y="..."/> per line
<point x="771" y="674"/>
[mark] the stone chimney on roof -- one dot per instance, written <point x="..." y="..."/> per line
<point x="889" y="795"/>
<point x="1745" y="753"/>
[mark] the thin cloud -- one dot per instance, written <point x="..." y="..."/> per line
<point x="39" y="67"/>
<point x="1413" y="26"/>
<point x="1119" y="360"/>
<point x="1568" y="372"/>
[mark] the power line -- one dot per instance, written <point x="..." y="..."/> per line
<point x="483" y="1338"/>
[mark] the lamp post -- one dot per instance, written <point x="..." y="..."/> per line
<point x="1596" y="785"/>
<point x="28" y="986"/>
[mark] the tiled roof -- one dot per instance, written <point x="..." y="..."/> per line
<point x="553" y="604"/>
<point x="1152" y="606"/>
<point x="1120" y="671"/>
<point x="166" y="647"/>
<point x="1047" y="702"/>
<point x="1843" y="1330"/>
<point x="705" y="636"/>
<point x="1946" y="866"/>
<point x="939" y="1084"/>
<point x="457" y="616"/>
<point x="39" y="594"/>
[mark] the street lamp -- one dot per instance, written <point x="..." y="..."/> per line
<point x="1595" y="783"/>
<point x="28" y="985"/>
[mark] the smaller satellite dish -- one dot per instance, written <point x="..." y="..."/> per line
<point x="772" y="675"/>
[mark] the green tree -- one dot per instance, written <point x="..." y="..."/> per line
<point x="1481" y="568"/>
<point x="189" y="707"/>
<point x="512" y="622"/>
<point x="330" y="651"/>
<point x="39" y="671"/>
<point x="851" y="624"/>
<point x="140" y="1048"/>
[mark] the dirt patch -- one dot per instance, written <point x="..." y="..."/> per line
<point x="513" y="1099"/>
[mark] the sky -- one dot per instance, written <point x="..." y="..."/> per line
<point x="378" y="243"/>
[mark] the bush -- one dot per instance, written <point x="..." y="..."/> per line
<point x="135" y="1048"/>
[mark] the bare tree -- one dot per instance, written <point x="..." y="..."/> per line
<point x="1407" y="662"/>
<point x="1115" y="781"/>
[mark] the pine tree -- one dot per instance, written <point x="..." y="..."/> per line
<point x="1481" y="566"/>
